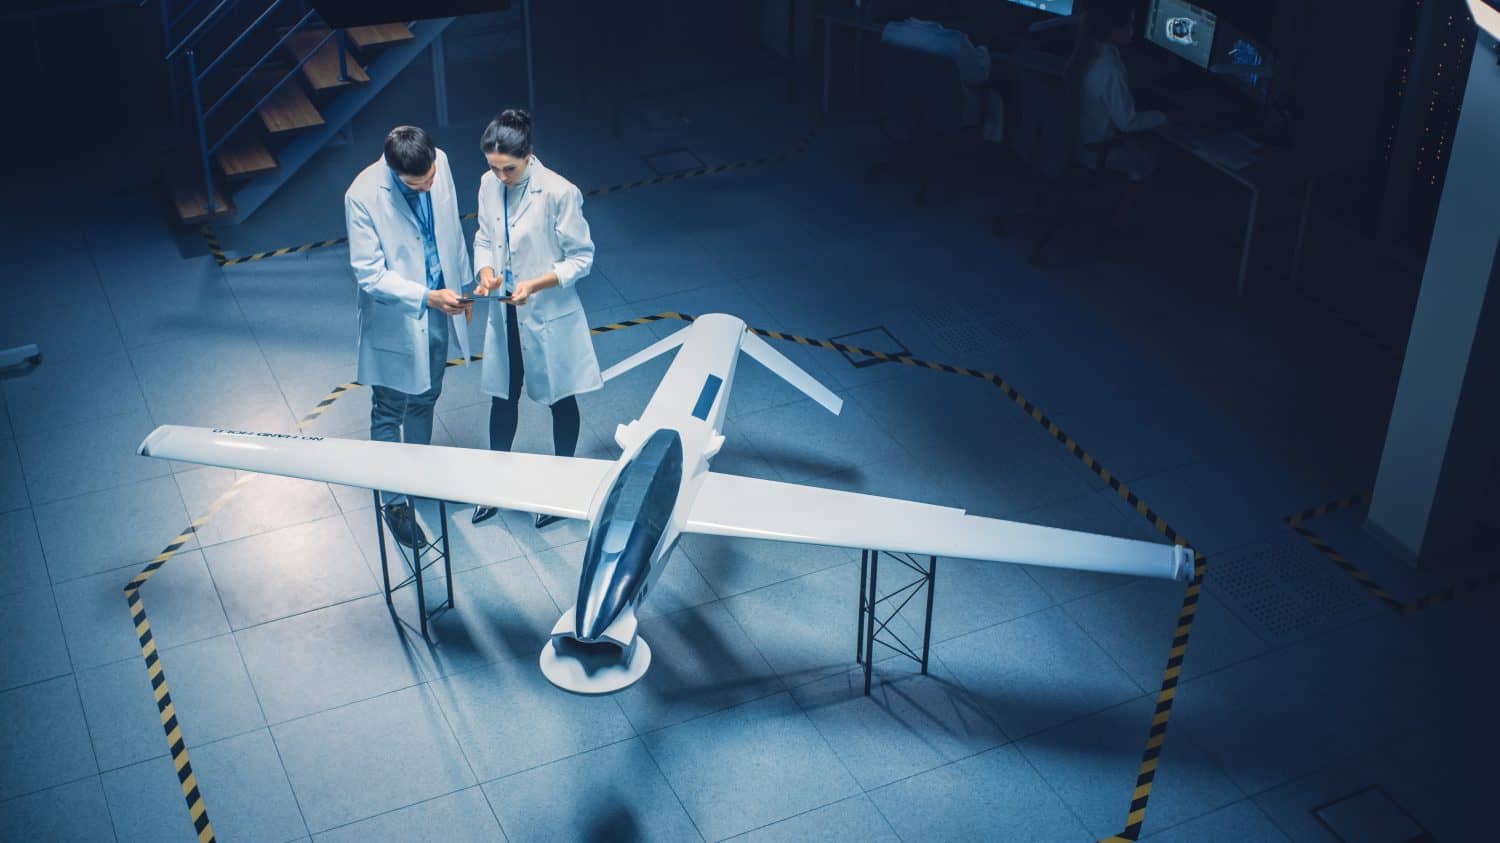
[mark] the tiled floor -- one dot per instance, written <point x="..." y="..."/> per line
<point x="309" y="713"/>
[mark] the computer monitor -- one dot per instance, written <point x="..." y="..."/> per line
<point x="1243" y="62"/>
<point x="1056" y="7"/>
<point x="1183" y="29"/>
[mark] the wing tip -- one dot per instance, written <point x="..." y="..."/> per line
<point x="152" y="440"/>
<point x="1183" y="567"/>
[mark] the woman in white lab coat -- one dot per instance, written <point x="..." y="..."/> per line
<point x="533" y="244"/>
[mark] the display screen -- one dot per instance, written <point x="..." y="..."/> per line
<point x="1182" y="28"/>
<point x="1237" y="49"/>
<point x="1056" y="7"/>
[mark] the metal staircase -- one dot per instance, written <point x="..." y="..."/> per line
<point x="259" y="86"/>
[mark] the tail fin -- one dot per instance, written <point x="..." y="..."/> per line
<point x="790" y="372"/>
<point x="655" y="349"/>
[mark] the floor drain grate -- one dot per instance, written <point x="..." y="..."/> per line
<point x="877" y="338"/>
<point x="670" y="162"/>
<point x="1286" y="588"/>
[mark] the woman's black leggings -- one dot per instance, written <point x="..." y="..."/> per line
<point x="504" y="412"/>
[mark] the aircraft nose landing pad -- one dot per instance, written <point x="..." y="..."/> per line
<point x="594" y="668"/>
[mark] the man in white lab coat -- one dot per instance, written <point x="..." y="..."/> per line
<point x="407" y="250"/>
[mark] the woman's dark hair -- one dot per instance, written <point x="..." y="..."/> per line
<point x="409" y="151"/>
<point x="508" y="134"/>
<point x="1098" y="20"/>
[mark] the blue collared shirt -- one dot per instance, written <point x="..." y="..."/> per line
<point x="421" y="206"/>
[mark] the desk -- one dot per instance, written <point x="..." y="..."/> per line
<point x="1273" y="168"/>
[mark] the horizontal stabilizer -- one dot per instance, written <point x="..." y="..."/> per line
<point x="790" y="372"/>
<point x="746" y="507"/>
<point x="561" y="486"/>
<point x="651" y="351"/>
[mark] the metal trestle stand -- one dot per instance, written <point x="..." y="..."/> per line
<point x="416" y="562"/>
<point x="872" y="627"/>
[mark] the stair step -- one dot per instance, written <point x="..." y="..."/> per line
<point x="190" y="201"/>
<point x="365" y="37"/>
<point x="322" y="70"/>
<point x="245" y="154"/>
<point x="288" y="109"/>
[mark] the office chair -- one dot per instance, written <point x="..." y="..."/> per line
<point x="1046" y="133"/>
<point x="921" y="107"/>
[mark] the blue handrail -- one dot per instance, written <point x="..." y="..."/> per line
<point x="203" y="25"/>
<point x="203" y="74"/>
<point x="243" y="79"/>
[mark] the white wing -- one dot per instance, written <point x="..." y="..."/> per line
<point x="562" y="486"/>
<point x="729" y="505"/>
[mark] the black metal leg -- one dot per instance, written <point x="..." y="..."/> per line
<point x="448" y="561"/>
<point x="859" y="626"/>
<point x="385" y="571"/>
<point x="927" y="625"/>
<point x="417" y="572"/>
<point x="870" y="620"/>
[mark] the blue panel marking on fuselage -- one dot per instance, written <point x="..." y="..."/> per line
<point x="707" y="396"/>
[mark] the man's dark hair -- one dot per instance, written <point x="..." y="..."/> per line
<point x="508" y="134"/>
<point x="409" y="151"/>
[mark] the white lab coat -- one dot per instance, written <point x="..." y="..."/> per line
<point x="1106" y="105"/>
<point x="547" y="234"/>
<point x="390" y="268"/>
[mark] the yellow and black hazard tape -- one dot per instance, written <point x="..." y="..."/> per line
<point x="224" y="260"/>
<point x="1444" y="595"/>
<point x="1156" y="737"/>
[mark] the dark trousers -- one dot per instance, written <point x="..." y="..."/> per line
<point x="504" y="412"/>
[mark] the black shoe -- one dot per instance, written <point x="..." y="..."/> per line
<point x="403" y="524"/>
<point x="483" y="513"/>
<point x="544" y="520"/>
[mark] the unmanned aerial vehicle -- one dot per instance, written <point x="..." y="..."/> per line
<point x="658" y="489"/>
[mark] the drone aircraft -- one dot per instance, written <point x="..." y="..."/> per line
<point x="658" y="489"/>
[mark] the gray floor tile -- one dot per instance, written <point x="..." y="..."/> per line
<point x="75" y="813"/>
<point x="851" y="821"/>
<point x="88" y="457"/>
<point x="1037" y="671"/>
<point x="540" y="724"/>
<point x="680" y="587"/>
<point x="180" y="603"/>
<point x="289" y="571"/>
<point x="1240" y="821"/>
<point x="13" y="494"/>
<point x="69" y="392"/>
<point x="43" y="737"/>
<point x="146" y="803"/>
<point x="37" y="650"/>
<point x="331" y="657"/>
<point x="804" y="442"/>
<point x="462" y="817"/>
<point x="265" y="503"/>
<point x="806" y="627"/>
<point x="210" y="693"/>
<point x="101" y="531"/>
<point x="1136" y="624"/>
<point x="1253" y="721"/>
<point x="991" y="796"/>
<point x="701" y="662"/>
<point x="910" y="723"/>
<point x="1291" y="806"/>
<point x="243" y="780"/>
<point x="629" y="799"/>
<point x="748" y="766"/>
<point x="970" y="596"/>
<point x="501" y="613"/>
<point x="1091" y="764"/>
<point x="22" y="565"/>
<point x="340" y="774"/>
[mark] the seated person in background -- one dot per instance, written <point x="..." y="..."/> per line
<point x="932" y="37"/>
<point x="1096" y="76"/>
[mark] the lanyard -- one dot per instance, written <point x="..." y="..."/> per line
<point x="505" y="212"/>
